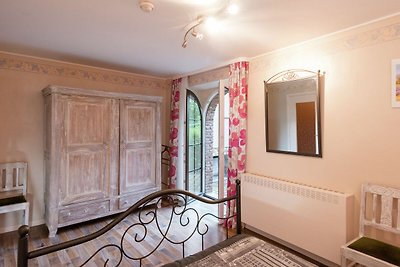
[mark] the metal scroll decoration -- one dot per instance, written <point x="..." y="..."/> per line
<point x="290" y="75"/>
<point x="175" y="213"/>
<point x="138" y="232"/>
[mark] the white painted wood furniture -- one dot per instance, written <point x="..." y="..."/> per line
<point x="13" y="182"/>
<point x="103" y="153"/>
<point x="379" y="214"/>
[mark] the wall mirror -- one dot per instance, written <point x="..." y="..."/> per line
<point x="292" y="113"/>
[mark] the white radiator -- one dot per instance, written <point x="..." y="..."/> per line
<point x="311" y="219"/>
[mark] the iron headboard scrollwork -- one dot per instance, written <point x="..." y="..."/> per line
<point x="148" y="212"/>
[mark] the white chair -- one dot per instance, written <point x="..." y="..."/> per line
<point x="379" y="212"/>
<point x="13" y="180"/>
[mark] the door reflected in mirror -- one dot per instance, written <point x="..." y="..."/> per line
<point x="293" y="113"/>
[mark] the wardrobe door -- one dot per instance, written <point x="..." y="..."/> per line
<point x="86" y="148"/>
<point x="138" y="147"/>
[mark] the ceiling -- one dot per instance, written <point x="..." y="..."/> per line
<point x="117" y="34"/>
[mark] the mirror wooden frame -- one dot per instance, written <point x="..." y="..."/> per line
<point x="288" y="76"/>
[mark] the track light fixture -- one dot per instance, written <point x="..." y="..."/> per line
<point x="197" y="35"/>
<point x="230" y="8"/>
<point x="194" y="33"/>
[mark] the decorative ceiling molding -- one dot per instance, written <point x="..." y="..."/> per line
<point x="373" y="37"/>
<point x="209" y="76"/>
<point x="20" y="63"/>
<point x="332" y="45"/>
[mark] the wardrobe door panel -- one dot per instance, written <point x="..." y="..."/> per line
<point x="85" y="176"/>
<point x="143" y="177"/>
<point x="86" y="149"/>
<point x="85" y="121"/>
<point x="139" y="122"/>
<point x="138" y="146"/>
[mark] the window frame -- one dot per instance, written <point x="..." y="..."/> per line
<point x="190" y="94"/>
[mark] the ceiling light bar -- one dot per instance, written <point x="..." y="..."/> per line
<point x="194" y="33"/>
<point x="230" y="8"/>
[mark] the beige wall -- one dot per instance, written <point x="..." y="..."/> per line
<point x="360" y="129"/>
<point x="21" y="112"/>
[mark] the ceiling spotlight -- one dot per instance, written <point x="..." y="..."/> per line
<point x="197" y="35"/>
<point x="232" y="9"/>
<point x="212" y="23"/>
<point x="194" y="33"/>
<point x="146" y="6"/>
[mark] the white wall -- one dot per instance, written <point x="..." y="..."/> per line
<point x="360" y="129"/>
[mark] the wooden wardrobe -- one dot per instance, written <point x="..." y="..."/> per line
<point x="102" y="153"/>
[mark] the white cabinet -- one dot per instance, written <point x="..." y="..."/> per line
<point x="102" y="153"/>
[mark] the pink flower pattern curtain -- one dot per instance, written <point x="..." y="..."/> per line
<point x="238" y="86"/>
<point x="173" y="137"/>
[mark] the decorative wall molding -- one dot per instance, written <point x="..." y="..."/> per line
<point x="330" y="45"/>
<point x="373" y="37"/>
<point x="209" y="76"/>
<point x="77" y="72"/>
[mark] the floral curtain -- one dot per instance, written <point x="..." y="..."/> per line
<point x="173" y="136"/>
<point x="238" y="86"/>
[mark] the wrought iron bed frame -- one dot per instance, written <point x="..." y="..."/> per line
<point x="153" y="201"/>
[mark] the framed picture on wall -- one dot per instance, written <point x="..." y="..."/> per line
<point x="396" y="83"/>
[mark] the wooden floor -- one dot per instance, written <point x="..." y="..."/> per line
<point x="75" y="256"/>
<point x="164" y="253"/>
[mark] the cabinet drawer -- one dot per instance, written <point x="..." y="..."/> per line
<point x="129" y="199"/>
<point x="83" y="212"/>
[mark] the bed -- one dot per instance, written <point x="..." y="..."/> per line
<point x="238" y="250"/>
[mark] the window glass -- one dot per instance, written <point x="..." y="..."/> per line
<point x="194" y="144"/>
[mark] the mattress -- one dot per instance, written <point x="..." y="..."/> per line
<point x="242" y="251"/>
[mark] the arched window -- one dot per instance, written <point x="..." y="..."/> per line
<point x="194" y="144"/>
<point x="212" y="156"/>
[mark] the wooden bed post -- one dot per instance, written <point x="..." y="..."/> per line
<point x="22" y="260"/>
<point x="238" y="209"/>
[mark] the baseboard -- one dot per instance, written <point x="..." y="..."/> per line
<point x="12" y="228"/>
<point x="317" y="258"/>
